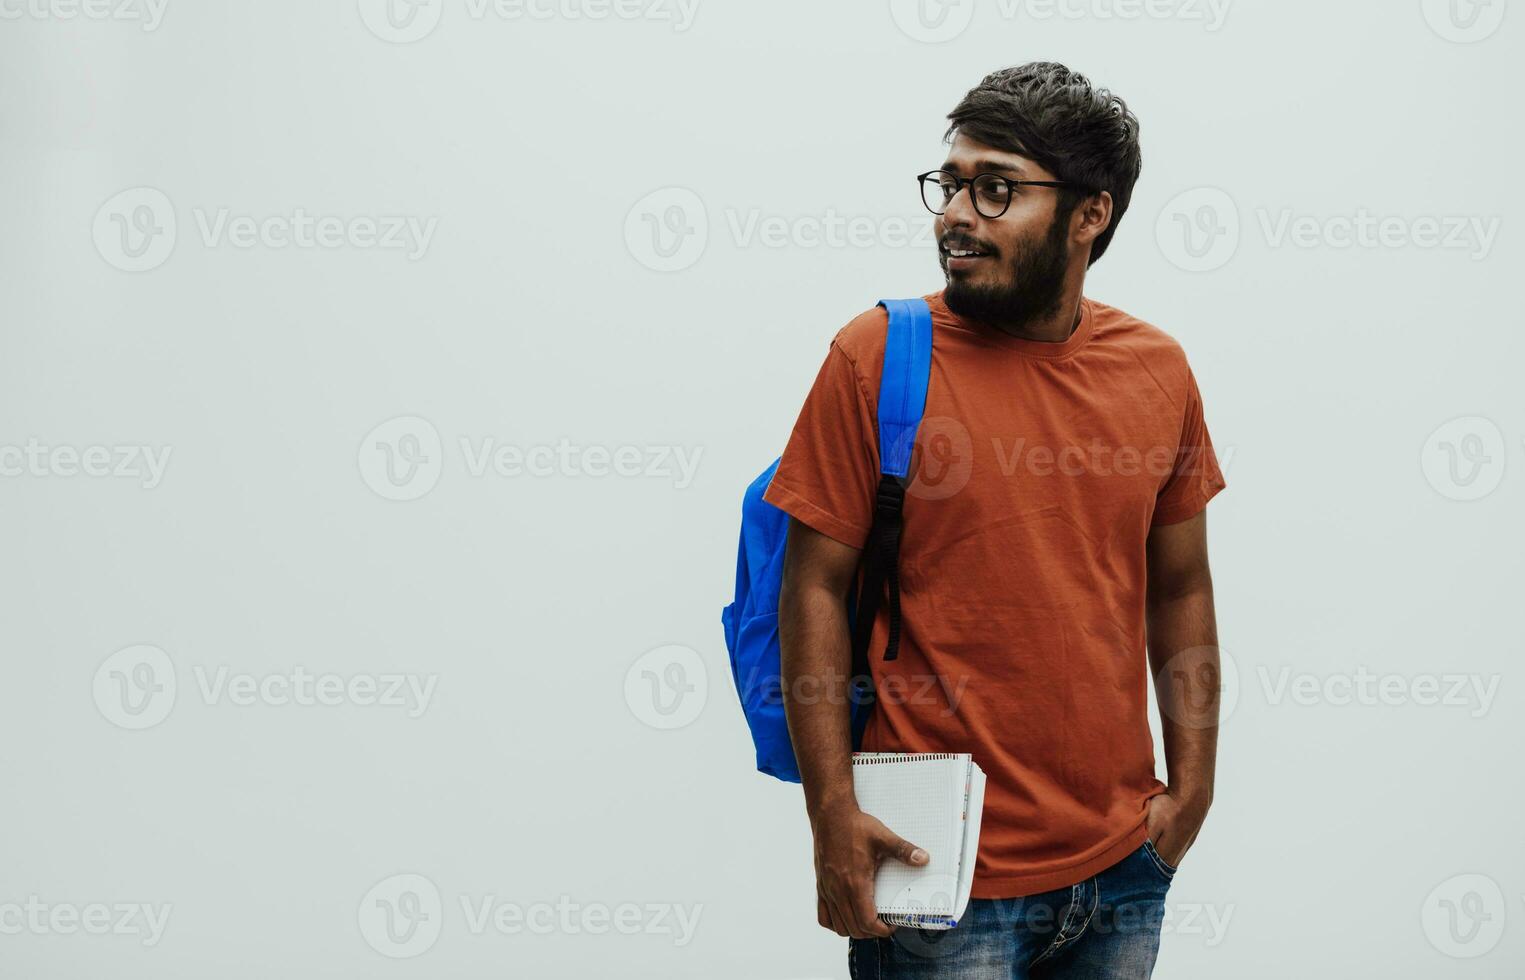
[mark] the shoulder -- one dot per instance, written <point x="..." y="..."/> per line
<point x="1136" y="335"/>
<point x="861" y="344"/>
<point x="862" y="339"/>
<point x="1137" y="340"/>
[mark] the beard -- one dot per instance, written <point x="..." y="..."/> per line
<point x="1032" y="291"/>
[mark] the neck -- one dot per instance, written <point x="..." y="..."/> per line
<point x="1055" y="326"/>
<point x="1052" y="329"/>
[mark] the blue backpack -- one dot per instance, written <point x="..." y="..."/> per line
<point x="751" y="621"/>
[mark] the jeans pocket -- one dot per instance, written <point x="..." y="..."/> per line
<point x="1164" y="867"/>
<point x="863" y="961"/>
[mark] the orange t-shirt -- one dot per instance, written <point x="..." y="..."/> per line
<point x="1038" y="471"/>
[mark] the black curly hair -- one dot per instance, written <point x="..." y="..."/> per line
<point x="1048" y="113"/>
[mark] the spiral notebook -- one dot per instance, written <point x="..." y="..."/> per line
<point x="934" y="800"/>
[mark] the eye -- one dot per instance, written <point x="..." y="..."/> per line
<point x="993" y="189"/>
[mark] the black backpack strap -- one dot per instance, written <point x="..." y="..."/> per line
<point x="881" y="574"/>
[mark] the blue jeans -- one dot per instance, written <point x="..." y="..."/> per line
<point x="1107" y="926"/>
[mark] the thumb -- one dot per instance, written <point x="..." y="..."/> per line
<point x="903" y="850"/>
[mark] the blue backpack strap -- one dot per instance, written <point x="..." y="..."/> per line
<point x="903" y="386"/>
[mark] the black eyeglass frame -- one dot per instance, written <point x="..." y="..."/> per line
<point x="960" y="182"/>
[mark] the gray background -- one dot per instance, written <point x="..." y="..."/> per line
<point x="581" y="743"/>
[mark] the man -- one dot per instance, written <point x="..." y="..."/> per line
<point x="1053" y="520"/>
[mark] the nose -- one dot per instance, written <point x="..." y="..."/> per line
<point x="959" y="212"/>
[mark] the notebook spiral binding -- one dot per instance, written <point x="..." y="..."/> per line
<point x="874" y="758"/>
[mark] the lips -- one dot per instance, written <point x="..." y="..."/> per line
<point x="961" y="254"/>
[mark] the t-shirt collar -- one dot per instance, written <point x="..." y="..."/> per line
<point x="994" y="336"/>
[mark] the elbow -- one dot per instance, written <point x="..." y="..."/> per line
<point x="1165" y="590"/>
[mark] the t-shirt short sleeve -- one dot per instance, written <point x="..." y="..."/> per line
<point x="1195" y="478"/>
<point x="830" y="465"/>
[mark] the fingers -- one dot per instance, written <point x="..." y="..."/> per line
<point x="854" y="906"/>
<point x="903" y="850"/>
<point x="868" y="917"/>
<point x="849" y="911"/>
<point x="855" y="912"/>
<point x="823" y="914"/>
<point x="835" y="921"/>
<point x="845" y="888"/>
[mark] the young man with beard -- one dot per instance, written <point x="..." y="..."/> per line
<point x="1054" y="540"/>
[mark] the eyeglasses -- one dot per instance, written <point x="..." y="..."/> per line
<point x="990" y="193"/>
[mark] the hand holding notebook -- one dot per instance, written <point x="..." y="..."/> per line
<point x="934" y="800"/>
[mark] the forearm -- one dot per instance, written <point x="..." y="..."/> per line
<point x="816" y="656"/>
<point x="1183" y="656"/>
